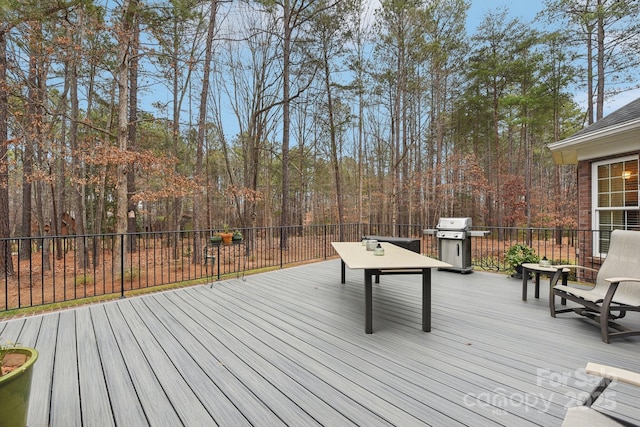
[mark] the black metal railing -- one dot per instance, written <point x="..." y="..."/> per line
<point x="54" y="269"/>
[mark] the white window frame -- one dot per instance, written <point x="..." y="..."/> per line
<point x="595" y="210"/>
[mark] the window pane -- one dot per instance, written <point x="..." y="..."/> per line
<point x="603" y="171"/>
<point x="631" y="183"/>
<point x="617" y="188"/>
<point x="633" y="220"/>
<point x="605" y="220"/>
<point x="610" y="220"/>
<point x="617" y="200"/>
<point x="617" y="169"/>
<point x="603" y="201"/>
<point x="603" y="241"/>
<point x="617" y="219"/>
<point x="617" y="183"/>
<point x="603" y="185"/>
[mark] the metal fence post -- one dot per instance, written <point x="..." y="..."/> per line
<point x="122" y="266"/>
<point x="324" y="246"/>
<point x="281" y="245"/>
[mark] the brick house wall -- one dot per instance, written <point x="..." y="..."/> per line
<point x="616" y="135"/>
<point x="585" y="245"/>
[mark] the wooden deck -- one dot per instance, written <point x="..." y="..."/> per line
<point x="288" y="348"/>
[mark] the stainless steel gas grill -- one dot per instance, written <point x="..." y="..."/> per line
<point x="454" y="242"/>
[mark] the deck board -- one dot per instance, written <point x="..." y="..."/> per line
<point x="442" y="371"/>
<point x="94" y="394"/>
<point x="265" y="355"/>
<point x="218" y="389"/>
<point x="345" y="392"/>
<point x="41" y="332"/>
<point x="265" y="383"/>
<point x="178" y="391"/>
<point x="65" y="384"/>
<point x="126" y="405"/>
<point x="288" y="348"/>
<point x="153" y="397"/>
<point x="386" y="368"/>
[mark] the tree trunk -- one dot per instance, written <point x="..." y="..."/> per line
<point x="590" y="89"/>
<point x="58" y="185"/>
<point x="132" y="241"/>
<point x="202" y="128"/>
<point x="32" y="132"/>
<point x="124" y="62"/>
<point x="78" y="169"/>
<point x="335" y="160"/>
<point x="600" y="60"/>
<point x="286" y="122"/>
<point x="6" y="262"/>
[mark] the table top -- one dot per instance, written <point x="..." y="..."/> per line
<point x="537" y="267"/>
<point x="355" y="256"/>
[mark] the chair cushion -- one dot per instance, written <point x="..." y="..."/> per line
<point x="592" y="295"/>
<point x="622" y="260"/>
<point x="584" y="416"/>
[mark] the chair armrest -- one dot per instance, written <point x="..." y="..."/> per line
<point x="613" y="373"/>
<point x="577" y="267"/>
<point x="622" y="279"/>
<point x="560" y="269"/>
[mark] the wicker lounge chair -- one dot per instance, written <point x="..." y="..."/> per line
<point x="617" y="288"/>
<point x="584" y="415"/>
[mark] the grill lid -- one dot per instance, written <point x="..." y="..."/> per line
<point x="454" y="223"/>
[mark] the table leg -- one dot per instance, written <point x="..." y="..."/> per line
<point x="537" y="294"/>
<point x="426" y="299"/>
<point x="342" y="272"/>
<point x="565" y="280"/>
<point x="368" y="302"/>
<point x="525" y="276"/>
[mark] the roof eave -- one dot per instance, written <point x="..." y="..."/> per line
<point x="572" y="149"/>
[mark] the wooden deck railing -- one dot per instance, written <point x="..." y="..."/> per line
<point x="54" y="269"/>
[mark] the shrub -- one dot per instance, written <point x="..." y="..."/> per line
<point x="519" y="254"/>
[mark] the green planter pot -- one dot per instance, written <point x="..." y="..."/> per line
<point x="216" y="240"/>
<point x="14" y="391"/>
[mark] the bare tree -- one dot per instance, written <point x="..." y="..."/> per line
<point x="6" y="262"/>
<point x="251" y="81"/>
<point x="133" y="130"/>
<point x="331" y="28"/>
<point x="124" y="35"/>
<point x="296" y="14"/>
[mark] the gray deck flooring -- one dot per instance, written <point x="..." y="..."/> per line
<point x="288" y="348"/>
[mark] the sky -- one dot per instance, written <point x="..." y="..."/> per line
<point x="523" y="9"/>
<point x="526" y="11"/>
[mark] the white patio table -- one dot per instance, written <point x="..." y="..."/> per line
<point x="396" y="260"/>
